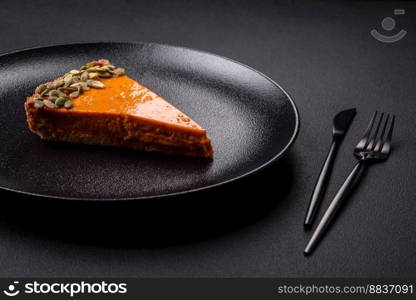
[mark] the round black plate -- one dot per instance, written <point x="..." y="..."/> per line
<point x="251" y="120"/>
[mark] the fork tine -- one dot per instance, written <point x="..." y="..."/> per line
<point x="387" y="143"/>
<point x="382" y="138"/>
<point x="390" y="135"/>
<point x="372" y="141"/>
<point x="363" y="142"/>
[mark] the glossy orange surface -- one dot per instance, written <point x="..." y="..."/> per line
<point x="123" y="95"/>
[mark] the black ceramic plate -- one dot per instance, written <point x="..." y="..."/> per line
<point x="251" y="120"/>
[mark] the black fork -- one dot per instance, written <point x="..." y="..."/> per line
<point x="374" y="147"/>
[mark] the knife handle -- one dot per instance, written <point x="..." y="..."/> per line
<point x="339" y="198"/>
<point x="321" y="184"/>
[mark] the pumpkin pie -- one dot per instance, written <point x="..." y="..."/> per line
<point x="98" y="104"/>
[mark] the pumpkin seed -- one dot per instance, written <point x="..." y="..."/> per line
<point x="84" y="76"/>
<point x="78" y="84"/>
<point x="53" y="93"/>
<point x="119" y="72"/>
<point x="91" y="64"/>
<point x="68" y="89"/>
<point x="76" y="79"/>
<point x="49" y="104"/>
<point x="106" y="68"/>
<point x="42" y="87"/>
<point x="83" y="86"/>
<point x="45" y="91"/>
<point x="52" y="98"/>
<point x="74" y="85"/>
<point x="93" y="75"/>
<point x="67" y="78"/>
<point x="95" y="84"/>
<point x="75" y="72"/>
<point x="95" y="69"/>
<point x="38" y="103"/>
<point x="74" y="94"/>
<point x="106" y="75"/>
<point x="68" y="104"/>
<point x="59" y="83"/>
<point x="60" y="101"/>
<point x="61" y="94"/>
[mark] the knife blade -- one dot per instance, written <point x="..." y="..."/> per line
<point x="343" y="120"/>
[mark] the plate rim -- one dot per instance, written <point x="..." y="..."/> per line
<point x="166" y="195"/>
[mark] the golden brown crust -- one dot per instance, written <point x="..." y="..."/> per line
<point x="113" y="130"/>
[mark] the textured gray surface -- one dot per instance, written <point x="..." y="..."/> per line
<point x="323" y="55"/>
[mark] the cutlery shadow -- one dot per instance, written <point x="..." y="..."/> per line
<point x="155" y="222"/>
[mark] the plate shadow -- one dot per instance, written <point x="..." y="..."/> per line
<point x="156" y="222"/>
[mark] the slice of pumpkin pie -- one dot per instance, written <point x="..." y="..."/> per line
<point x="98" y="104"/>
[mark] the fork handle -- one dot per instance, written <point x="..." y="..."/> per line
<point x="333" y="208"/>
<point x="321" y="184"/>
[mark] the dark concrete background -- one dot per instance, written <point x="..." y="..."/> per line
<point x="321" y="52"/>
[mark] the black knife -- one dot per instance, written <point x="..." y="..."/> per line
<point x="341" y="124"/>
